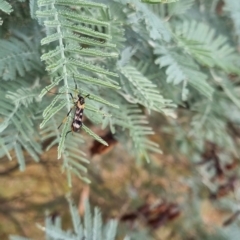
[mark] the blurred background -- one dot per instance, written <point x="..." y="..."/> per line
<point x="165" y="199"/>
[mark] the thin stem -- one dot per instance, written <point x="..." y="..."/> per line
<point x="61" y="45"/>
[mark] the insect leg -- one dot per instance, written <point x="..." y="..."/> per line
<point x="76" y="88"/>
<point x="67" y="133"/>
<point x="75" y="83"/>
<point x="72" y="98"/>
<point x="60" y="93"/>
<point x="64" y="120"/>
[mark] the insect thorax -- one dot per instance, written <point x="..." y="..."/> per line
<point x="81" y="99"/>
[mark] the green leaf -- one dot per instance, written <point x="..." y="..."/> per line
<point x="92" y="134"/>
<point x="180" y="68"/>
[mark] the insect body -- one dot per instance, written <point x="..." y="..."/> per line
<point x="77" y="121"/>
<point x="79" y="105"/>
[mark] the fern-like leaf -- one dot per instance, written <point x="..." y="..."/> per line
<point x="5" y="7"/>
<point x="97" y="224"/>
<point x="155" y="25"/>
<point x="132" y="119"/>
<point x="181" y="68"/>
<point x="17" y="132"/>
<point x="74" y="159"/>
<point x="79" y="48"/>
<point x="54" y="231"/>
<point x="200" y="41"/>
<point x="179" y="7"/>
<point x="17" y="57"/>
<point x="233" y="8"/>
<point x="143" y="91"/>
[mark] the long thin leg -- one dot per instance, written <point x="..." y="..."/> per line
<point x="67" y="133"/>
<point x="75" y="83"/>
<point x="64" y="120"/>
<point x="53" y="92"/>
<point x="71" y="97"/>
<point x="60" y="93"/>
<point x="76" y="87"/>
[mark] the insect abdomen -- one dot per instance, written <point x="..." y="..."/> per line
<point x="77" y="122"/>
